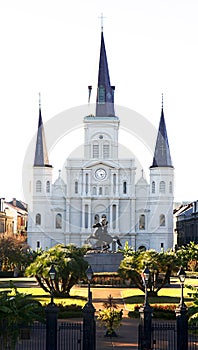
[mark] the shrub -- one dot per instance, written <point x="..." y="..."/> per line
<point x="166" y="312"/>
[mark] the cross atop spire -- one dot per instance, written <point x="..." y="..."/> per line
<point x="102" y="21"/>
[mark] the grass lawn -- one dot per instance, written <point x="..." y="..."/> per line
<point x="166" y="296"/>
<point x="78" y="296"/>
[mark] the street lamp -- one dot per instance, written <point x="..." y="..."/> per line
<point x="52" y="274"/>
<point x="145" y="277"/>
<point x="89" y="274"/>
<point x="181" y="316"/>
<point x="182" y="276"/>
<point x="146" y="314"/>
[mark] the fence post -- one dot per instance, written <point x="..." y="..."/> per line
<point x="146" y="326"/>
<point x="89" y="326"/>
<point x="51" y="326"/>
<point x="182" y="327"/>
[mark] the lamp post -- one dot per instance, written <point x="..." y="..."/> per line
<point x="52" y="274"/>
<point x="89" y="324"/>
<point x="89" y="274"/>
<point x="146" y="314"/>
<point x="181" y="316"/>
<point x="51" y="316"/>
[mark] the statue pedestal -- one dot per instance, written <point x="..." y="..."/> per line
<point x="104" y="261"/>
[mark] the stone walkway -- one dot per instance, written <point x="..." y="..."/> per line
<point x="127" y="333"/>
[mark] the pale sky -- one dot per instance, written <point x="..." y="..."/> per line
<point x="52" y="47"/>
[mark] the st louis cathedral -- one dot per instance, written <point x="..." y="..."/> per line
<point x="101" y="186"/>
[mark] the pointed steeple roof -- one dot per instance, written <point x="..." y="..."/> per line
<point x="41" y="155"/>
<point x="162" y="157"/>
<point x="105" y="93"/>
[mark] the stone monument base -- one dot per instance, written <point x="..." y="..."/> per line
<point x="104" y="261"/>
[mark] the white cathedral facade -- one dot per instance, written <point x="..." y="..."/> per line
<point x="102" y="185"/>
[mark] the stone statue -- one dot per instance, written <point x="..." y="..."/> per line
<point x="100" y="239"/>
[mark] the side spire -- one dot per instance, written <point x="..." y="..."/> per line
<point x="162" y="157"/>
<point x="105" y="92"/>
<point x="41" y="155"/>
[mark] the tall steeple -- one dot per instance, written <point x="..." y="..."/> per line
<point x="105" y="92"/>
<point x="162" y="157"/>
<point x="41" y="155"/>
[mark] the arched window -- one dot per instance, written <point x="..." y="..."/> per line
<point x="162" y="187"/>
<point x="142" y="222"/>
<point x="114" y="183"/>
<point x="124" y="187"/>
<point x="94" y="191"/>
<point x="100" y="191"/>
<point x="105" y="151"/>
<point x="114" y="215"/>
<point x="153" y="187"/>
<point x="86" y="215"/>
<point x="48" y="187"/>
<point x="76" y="187"/>
<point x="96" y="219"/>
<point x="38" y="186"/>
<point x="95" y="150"/>
<point x="58" y="220"/>
<point x="170" y="187"/>
<point x="86" y="183"/>
<point x="38" y="219"/>
<point x="162" y="220"/>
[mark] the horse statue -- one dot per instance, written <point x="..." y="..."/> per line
<point x="101" y="239"/>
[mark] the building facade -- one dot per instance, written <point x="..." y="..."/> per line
<point x="102" y="185"/>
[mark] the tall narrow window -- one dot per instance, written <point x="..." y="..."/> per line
<point x="38" y="219"/>
<point x="76" y="186"/>
<point x="124" y="187"/>
<point x="94" y="191"/>
<point x="86" y="183"/>
<point x="86" y="215"/>
<point x="105" y="151"/>
<point x="38" y="244"/>
<point x="170" y="187"/>
<point x="153" y="187"/>
<point x="162" y="187"/>
<point x="114" y="183"/>
<point x="162" y="220"/>
<point x="48" y="187"/>
<point x="114" y="215"/>
<point x="58" y="221"/>
<point x="96" y="219"/>
<point x="38" y="186"/>
<point x="95" y="150"/>
<point x="100" y="191"/>
<point x="142" y="222"/>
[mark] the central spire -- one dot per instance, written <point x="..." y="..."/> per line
<point x="105" y="92"/>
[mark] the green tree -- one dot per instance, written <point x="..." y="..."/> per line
<point x="161" y="265"/>
<point x="69" y="263"/>
<point x="188" y="256"/>
<point x="13" y="252"/>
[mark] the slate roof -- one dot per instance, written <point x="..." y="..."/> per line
<point x="105" y="93"/>
<point x="162" y="157"/>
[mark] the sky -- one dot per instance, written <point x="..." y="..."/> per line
<point x="53" y="48"/>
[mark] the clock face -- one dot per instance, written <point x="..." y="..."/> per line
<point x="100" y="174"/>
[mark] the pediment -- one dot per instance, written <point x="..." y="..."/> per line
<point x="99" y="163"/>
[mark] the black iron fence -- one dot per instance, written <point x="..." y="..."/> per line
<point x="164" y="336"/>
<point x="33" y="337"/>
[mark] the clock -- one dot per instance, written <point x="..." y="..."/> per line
<point x="100" y="174"/>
